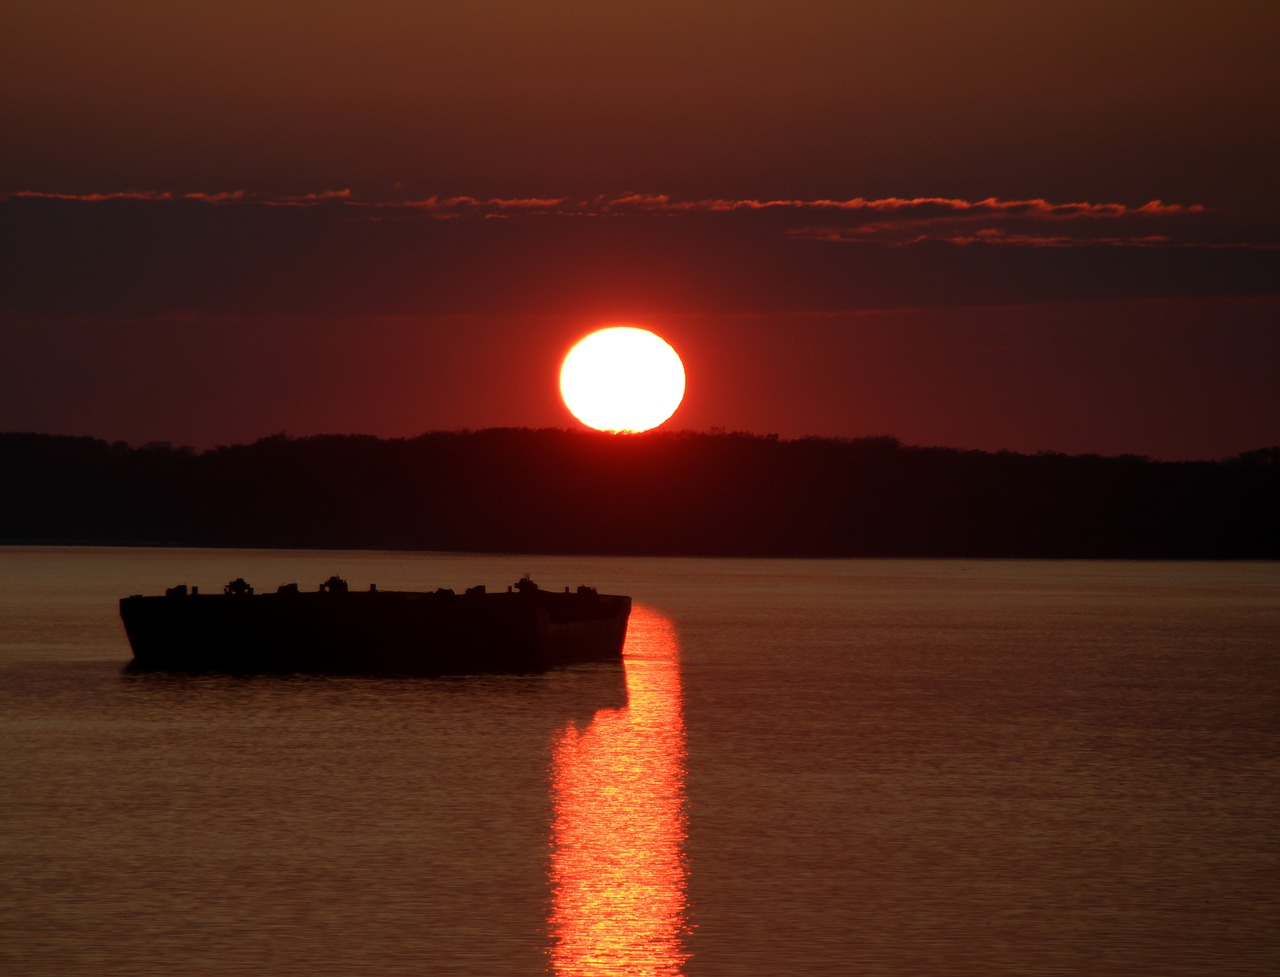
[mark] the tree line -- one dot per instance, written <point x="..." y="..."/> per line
<point x="660" y="493"/>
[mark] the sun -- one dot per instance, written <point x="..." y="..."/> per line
<point x="622" y="379"/>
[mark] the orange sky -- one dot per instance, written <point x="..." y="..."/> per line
<point x="390" y="199"/>
<point x="1088" y="99"/>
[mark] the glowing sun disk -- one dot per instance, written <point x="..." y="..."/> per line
<point x="622" y="379"/>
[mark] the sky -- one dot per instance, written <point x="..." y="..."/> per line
<point x="1048" y="226"/>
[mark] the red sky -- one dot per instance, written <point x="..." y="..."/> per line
<point x="1049" y="226"/>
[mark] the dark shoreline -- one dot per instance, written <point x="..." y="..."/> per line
<point x="659" y="494"/>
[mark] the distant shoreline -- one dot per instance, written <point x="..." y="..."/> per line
<point x="660" y="494"/>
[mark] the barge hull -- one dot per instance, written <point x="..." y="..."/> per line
<point x="375" y="632"/>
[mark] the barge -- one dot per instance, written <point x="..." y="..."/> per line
<point x="337" y="630"/>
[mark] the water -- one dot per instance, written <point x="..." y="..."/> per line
<point x="879" y="768"/>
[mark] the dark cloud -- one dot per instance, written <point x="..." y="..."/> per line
<point x="146" y="252"/>
<point x="903" y="208"/>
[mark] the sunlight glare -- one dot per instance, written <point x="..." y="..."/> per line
<point x="618" y="873"/>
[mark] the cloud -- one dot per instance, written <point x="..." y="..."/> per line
<point x="299" y="200"/>
<point x="166" y="196"/>
<point x="887" y="221"/>
<point x="465" y="206"/>
<point x="984" y="236"/>
<point x="907" y="207"/>
<point x="92" y="198"/>
<point x="143" y="196"/>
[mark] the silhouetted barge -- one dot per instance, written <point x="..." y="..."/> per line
<point x="382" y="632"/>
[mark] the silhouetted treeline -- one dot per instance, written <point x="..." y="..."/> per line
<point x="557" y="491"/>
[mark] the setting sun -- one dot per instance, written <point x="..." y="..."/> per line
<point x="622" y="379"/>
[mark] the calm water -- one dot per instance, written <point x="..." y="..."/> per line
<point x="905" y="768"/>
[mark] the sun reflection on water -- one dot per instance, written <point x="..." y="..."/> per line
<point x="618" y="872"/>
